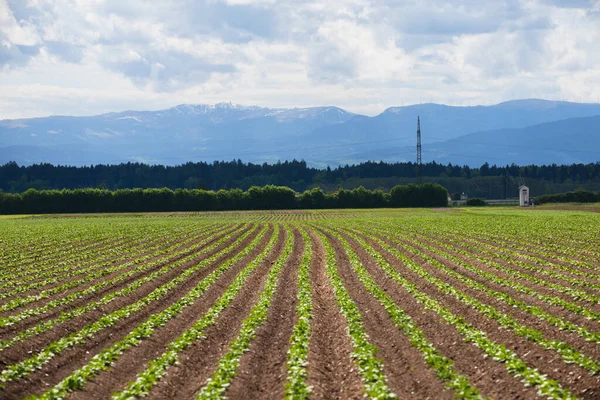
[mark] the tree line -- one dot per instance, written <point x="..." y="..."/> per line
<point x="576" y="196"/>
<point x="484" y="181"/>
<point x="268" y="197"/>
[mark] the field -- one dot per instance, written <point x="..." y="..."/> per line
<point x="450" y="303"/>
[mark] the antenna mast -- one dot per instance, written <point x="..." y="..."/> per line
<point x="419" y="159"/>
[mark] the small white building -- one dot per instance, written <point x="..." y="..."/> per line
<point x="523" y="196"/>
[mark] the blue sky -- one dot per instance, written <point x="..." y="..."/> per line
<point x="83" y="57"/>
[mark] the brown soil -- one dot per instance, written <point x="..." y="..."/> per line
<point x="262" y="372"/>
<point x="331" y="372"/>
<point x="62" y="365"/>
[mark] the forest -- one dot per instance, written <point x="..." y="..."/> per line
<point x="486" y="181"/>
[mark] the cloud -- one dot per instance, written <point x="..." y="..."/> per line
<point x="19" y="41"/>
<point x="85" y="57"/>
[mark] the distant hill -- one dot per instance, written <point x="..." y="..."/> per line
<point x="568" y="141"/>
<point x="320" y="135"/>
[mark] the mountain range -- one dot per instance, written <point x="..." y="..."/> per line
<point x="528" y="131"/>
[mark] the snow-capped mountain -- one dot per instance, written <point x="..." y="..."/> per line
<point x="319" y="135"/>
<point x="187" y="132"/>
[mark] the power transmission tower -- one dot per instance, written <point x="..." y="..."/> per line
<point x="419" y="166"/>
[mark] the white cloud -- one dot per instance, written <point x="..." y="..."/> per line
<point x="88" y="57"/>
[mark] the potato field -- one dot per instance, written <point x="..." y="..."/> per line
<point x="497" y="303"/>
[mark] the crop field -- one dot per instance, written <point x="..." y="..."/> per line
<point x="342" y="304"/>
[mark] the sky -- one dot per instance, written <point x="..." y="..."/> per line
<point x="86" y="57"/>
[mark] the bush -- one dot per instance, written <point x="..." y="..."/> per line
<point x="578" y="196"/>
<point x="476" y="202"/>
<point x="268" y="197"/>
<point x="425" y="195"/>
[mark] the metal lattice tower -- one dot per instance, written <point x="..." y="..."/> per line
<point x="419" y="159"/>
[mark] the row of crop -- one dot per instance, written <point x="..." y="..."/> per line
<point x="77" y="236"/>
<point x="297" y="359"/>
<point x="498" y="295"/>
<point x="227" y="367"/>
<point x="498" y="352"/>
<point x="541" y="243"/>
<point x="108" y="298"/>
<point x="571" y="231"/>
<point x="107" y="357"/>
<point x="28" y="365"/>
<point x="574" y="293"/>
<point x="37" y="241"/>
<point x="70" y="260"/>
<point x="103" y="257"/>
<point x="576" y="255"/>
<point x="511" y="284"/>
<point x="551" y="260"/>
<point x="568" y="353"/>
<point x="81" y="257"/>
<point x="107" y="263"/>
<point x="30" y="247"/>
<point x="540" y="267"/>
<point x="144" y="264"/>
<point x="55" y="255"/>
<point x="24" y="259"/>
<point x="65" y="237"/>
<point x="364" y="352"/>
<point x="554" y="242"/>
<point x="443" y="367"/>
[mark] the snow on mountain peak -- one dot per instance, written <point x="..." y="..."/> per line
<point x="199" y="109"/>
